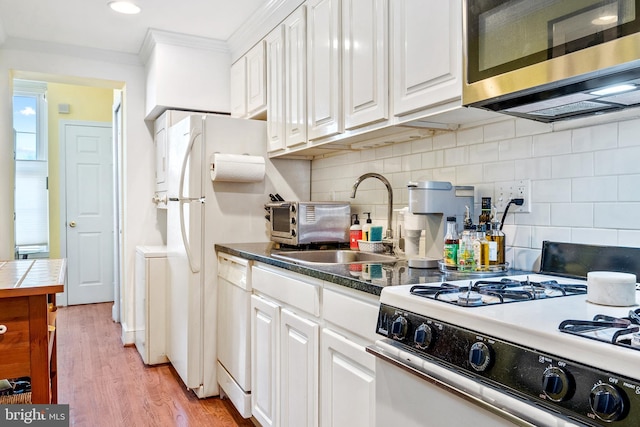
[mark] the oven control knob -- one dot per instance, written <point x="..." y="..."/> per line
<point x="480" y="356"/>
<point x="423" y="337"/>
<point x="399" y="328"/>
<point x="607" y="402"/>
<point x="557" y="384"/>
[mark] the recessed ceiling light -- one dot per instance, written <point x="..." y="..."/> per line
<point x="124" y="7"/>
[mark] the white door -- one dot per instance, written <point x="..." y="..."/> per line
<point x="89" y="213"/>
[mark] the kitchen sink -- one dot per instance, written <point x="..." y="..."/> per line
<point x="333" y="256"/>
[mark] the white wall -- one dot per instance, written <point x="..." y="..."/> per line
<point x="84" y="67"/>
<point x="585" y="181"/>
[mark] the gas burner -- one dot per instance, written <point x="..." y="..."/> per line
<point x="487" y="292"/>
<point x="604" y="328"/>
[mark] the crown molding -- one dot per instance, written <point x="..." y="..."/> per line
<point x="258" y="25"/>
<point x="154" y="37"/>
<point x="102" y="55"/>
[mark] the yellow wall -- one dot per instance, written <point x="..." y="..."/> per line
<point x="86" y="104"/>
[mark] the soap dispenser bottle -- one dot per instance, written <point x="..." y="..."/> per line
<point x="366" y="228"/>
<point x="355" y="233"/>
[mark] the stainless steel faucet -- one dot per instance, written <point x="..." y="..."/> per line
<point x="389" y="233"/>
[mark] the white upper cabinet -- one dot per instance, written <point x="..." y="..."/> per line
<point x="295" y="66"/>
<point x="238" y="84"/>
<point x="324" y="69"/>
<point x="275" y="90"/>
<point x="248" y="84"/>
<point x="427" y="53"/>
<point x="256" y="81"/>
<point x="365" y="61"/>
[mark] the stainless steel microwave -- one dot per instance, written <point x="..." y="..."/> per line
<point x="551" y="60"/>
<point x="298" y="223"/>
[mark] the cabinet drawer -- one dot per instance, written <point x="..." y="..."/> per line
<point x="14" y="343"/>
<point x="299" y="291"/>
<point x="351" y="313"/>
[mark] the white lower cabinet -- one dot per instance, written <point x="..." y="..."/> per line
<point x="285" y="337"/>
<point x="348" y="382"/>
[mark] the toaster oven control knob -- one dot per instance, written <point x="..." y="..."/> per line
<point x="293" y="208"/>
<point x="607" y="402"/>
<point x="399" y="328"/>
<point x="423" y="336"/>
<point x="293" y="233"/>
<point x="556" y="384"/>
<point x="480" y="356"/>
<point x="293" y="221"/>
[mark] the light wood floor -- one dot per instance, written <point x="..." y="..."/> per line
<point x="106" y="384"/>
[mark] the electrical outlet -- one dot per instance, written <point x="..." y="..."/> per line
<point x="505" y="191"/>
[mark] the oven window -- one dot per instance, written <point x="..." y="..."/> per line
<point x="280" y="219"/>
<point x="506" y="35"/>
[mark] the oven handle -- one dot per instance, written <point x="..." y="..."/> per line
<point x="380" y="353"/>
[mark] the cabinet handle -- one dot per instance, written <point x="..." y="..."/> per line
<point x="3" y="329"/>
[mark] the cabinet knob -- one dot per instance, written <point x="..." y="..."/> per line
<point x="3" y="329"/>
<point x="72" y="224"/>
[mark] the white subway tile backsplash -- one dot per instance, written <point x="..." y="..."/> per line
<point x="617" y="215"/>
<point x="594" y="236"/>
<point x="534" y="168"/>
<point x="594" y="138"/>
<point x="433" y="159"/>
<point x="526" y="127"/>
<point x="594" y="189"/>
<point x="422" y="145"/>
<point x="551" y="190"/>
<point x="553" y="234"/>
<point x="518" y="148"/>
<point x="552" y="144"/>
<point x="470" y="136"/>
<point x="585" y="182"/>
<point x="630" y="238"/>
<point x="500" y="130"/>
<point x="498" y="171"/>
<point x="629" y="188"/>
<point x="617" y="162"/>
<point x="572" y="165"/>
<point x="444" y="140"/>
<point x="456" y="156"/>
<point x="483" y="153"/>
<point x="629" y="133"/>
<point x="572" y="214"/>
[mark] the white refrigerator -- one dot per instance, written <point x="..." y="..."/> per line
<point x="201" y="213"/>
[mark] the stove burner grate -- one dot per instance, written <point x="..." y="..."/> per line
<point x="486" y="292"/>
<point x="604" y="328"/>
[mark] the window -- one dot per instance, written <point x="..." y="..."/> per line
<point x="31" y="198"/>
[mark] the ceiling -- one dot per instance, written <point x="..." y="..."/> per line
<point x="91" y="23"/>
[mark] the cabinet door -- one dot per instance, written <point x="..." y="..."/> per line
<point x="295" y="78"/>
<point x="324" y="78"/>
<point x="299" y="370"/>
<point x="256" y="80"/>
<point x="275" y="89"/>
<point x="265" y="320"/>
<point x="237" y="81"/>
<point x="348" y="383"/>
<point x="365" y="61"/>
<point x="427" y="52"/>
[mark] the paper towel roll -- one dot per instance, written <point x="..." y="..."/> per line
<point x="611" y="288"/>
<point x="237" y="168"/>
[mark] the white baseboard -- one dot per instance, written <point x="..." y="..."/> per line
<point x="128" y="334"/>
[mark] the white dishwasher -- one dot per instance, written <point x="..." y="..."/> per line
<point x="234" y="331"/>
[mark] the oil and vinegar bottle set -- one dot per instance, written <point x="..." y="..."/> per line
<point x="479" y="247"/>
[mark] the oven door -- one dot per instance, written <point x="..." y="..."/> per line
<point x="413" y="392"/>
<point x="280" y="223"/>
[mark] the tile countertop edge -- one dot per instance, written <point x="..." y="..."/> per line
<point x="260" y="252"/>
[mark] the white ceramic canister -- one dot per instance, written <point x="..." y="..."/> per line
<point x="611" y="288"/>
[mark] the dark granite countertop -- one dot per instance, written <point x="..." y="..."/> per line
<point x="365" y="277"/>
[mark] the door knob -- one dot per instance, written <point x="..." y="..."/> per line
<point x="72" y="224"/>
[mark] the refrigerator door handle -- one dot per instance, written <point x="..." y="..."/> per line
<point x="183" y="200"/>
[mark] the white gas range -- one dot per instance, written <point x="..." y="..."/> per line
<point x="505" y="361"/>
